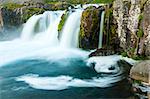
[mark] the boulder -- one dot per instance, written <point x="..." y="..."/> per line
<point x="141" y="71"/>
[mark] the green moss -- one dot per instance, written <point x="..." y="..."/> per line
<point x="124" y="54"/>
<point x="80" y="1"/>
<point x="140" y="33"/>
<point x="12" y="6"/>
<point x="30" y="12"/>
<point x="62" y="22"/>
<point x="140" y="17"/>
<point x="137" y="82"/>
<point x="89" y="29"/>
<point x="137" y="57"/>
<point x="102" y="1"/>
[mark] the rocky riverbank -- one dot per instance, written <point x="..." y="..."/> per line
<point x="140" y="73"/>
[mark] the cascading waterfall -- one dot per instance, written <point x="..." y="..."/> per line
<point x="43" y="27"/>
<point x="101" y="30"/>
<point x="42" y="61"/>
<point x="51" y="34"/>
<point x="28" y="30"/>
<point x="71" y="30"/>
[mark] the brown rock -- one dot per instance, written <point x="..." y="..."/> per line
<point x="1" y="20"/>
<point x="141" y="71"/>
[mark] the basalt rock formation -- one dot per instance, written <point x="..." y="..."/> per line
<point x="133" y="26"/>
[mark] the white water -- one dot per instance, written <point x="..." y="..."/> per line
<point x="44" y="44"/>
<point x="64" y="82"/>
<point x="101" y="30"/>
<point x="103" y="63"/>
<point x="71" y="30"/>
<point x="28" y="30"/>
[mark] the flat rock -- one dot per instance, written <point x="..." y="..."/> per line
<point x="141" y="71"/>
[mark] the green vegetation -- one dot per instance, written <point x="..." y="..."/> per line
<point x="140" y="17"/>
<point x="31" y="11"/>
<point x="102" y="1"/>
<point x="140" y="33"/>
<point x="137" y="57"/>
<point x="79" y="1"/>
<point x="137" y="82"/>
<point x="124" y="54"/>
<point x="62" y="22"/>
<point x="12" y="6"/>
<point x="89" y="29"/>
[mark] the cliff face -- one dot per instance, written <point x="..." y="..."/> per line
<point x="90" y="27"/>
<point x="132" y="17"/>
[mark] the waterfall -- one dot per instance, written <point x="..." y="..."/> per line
<point x="101" y="30"/>
<point x="51" y="34"/>
<point x="71" y="30"/>
<point x="29" y="27"/>
<point x="42" y="27"/>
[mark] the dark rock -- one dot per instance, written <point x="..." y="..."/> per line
<point x="90" y="27"/>
<point x="102" y="52"/>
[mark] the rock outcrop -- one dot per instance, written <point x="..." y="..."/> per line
<point x="90" y="27"/>
<point x="146" y="27"/>
<point x="15" y="13"/>
<point x="1" y="21"/>
<point x="132" y="17"/>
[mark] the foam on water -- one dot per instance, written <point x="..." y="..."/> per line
<point x="64" y="82"/>
<point x="103" y="63"/>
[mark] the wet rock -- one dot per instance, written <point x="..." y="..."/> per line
<point x="141" y="71"/>
<point x="1" y="21"/>
<point x="102" y="52"/>
<point x="90" y="27"/>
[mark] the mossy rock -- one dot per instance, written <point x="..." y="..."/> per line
<point x="90" y="27"/>
<point x="27" y="13"/>
<point x="63" y="20"/>
<point x="12" y="6"/>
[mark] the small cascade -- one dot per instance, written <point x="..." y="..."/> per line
<point x="43" y="23"/>
<point x="42" y="27"/>
<point x="101" y="30"/>
<point x="28" y="30"/>
<point x="51" y="34"/>
<point x="71" y="30"/>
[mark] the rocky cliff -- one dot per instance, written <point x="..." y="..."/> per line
<point x="133" y="27"/>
